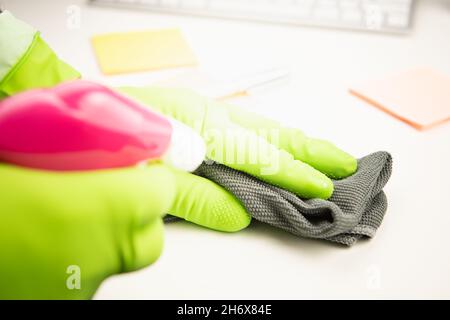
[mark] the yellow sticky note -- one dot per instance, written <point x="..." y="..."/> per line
<point x="142" y="51"/>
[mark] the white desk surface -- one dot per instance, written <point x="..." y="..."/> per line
<point x="410" y="255"/>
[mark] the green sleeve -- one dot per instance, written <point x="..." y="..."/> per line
<point x="26" y="61"/>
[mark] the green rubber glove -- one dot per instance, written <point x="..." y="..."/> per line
<point x="203" y="202"/>
<point x="251" y="143"/>
<point x="55" y="225"/>
<point x="63" y="233"/>
<point x="26" y="61"/>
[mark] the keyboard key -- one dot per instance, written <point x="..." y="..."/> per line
<point x="352" y="16"/>
<point x="398" y="21"/>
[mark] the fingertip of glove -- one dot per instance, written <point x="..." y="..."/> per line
<point x="327" y="190"/>
<point x="348" y="166"/>
<point x="351" y="167"/>
<point x="231" y="217"/>
<point x="320" y="187"/>
<point x="226" y="214"/>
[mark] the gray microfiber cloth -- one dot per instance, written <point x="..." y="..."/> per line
<point x="354" y="211"/>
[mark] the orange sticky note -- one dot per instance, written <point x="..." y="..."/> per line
<point x="142" y="51"/>
<point x="419" y="97"/>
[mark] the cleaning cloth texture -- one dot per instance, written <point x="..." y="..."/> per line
<point x="355" y="210"/>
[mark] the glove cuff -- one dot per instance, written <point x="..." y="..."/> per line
<point x="15" y="38"/>
<point x="27" y="61"/>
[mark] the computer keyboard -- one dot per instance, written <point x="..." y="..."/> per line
<point x="372" y="15"/>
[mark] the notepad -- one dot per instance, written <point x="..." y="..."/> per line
<point x="128" y="52"/>
<point x="419" y="97"/>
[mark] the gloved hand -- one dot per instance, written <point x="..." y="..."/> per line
<point x="96" y="222"/>
<point x="261" y="147"/>
<point x="63" y="233"/>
